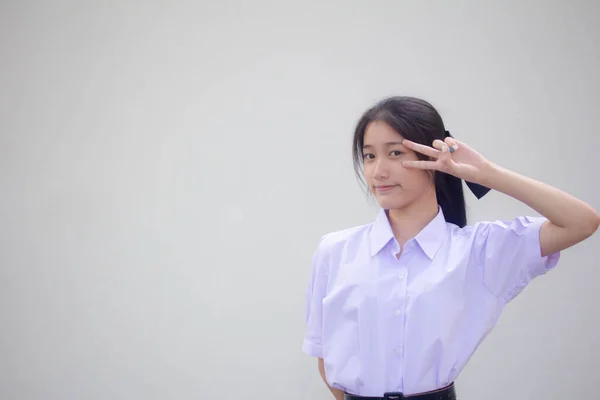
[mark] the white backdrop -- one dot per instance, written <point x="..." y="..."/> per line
<point x="167" y="168"/>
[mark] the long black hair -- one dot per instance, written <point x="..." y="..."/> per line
<point x="418" y="121"/>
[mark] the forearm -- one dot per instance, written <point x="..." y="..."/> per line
<point x="560" y="208"/>
<point x="338" y="394"/>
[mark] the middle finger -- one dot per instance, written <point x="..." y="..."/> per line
<point x="440" y="145"/>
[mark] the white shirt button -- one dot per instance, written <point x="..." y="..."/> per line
<point x="402" y="275"/>
<point x="398" y="312"/>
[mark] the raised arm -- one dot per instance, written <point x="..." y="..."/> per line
<point x="570" y="220"/>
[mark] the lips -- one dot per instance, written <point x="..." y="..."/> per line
<point x="384" y="188"/>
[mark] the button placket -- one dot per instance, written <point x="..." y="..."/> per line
<point x="399" y="312"/>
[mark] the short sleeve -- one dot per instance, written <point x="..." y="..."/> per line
<point x="314" y="296"/>
<point x="510" y="255"/>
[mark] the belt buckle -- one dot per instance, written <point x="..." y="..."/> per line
<point x="393" y="396"/>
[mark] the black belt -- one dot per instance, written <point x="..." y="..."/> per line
<point x="447" y="393"/>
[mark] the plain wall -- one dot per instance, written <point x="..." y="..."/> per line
<point x="167" y="168"/>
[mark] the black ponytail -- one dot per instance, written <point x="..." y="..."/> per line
<point x="450" y="198"/>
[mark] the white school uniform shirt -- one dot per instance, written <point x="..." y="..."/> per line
<point x="410" y="325"/>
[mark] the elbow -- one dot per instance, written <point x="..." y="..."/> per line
<point x="591" y="225"/>
<point x="595" y="224"/>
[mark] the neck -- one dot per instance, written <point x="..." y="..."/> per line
<point x="408" y="221"/>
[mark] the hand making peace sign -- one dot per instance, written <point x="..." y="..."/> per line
<point x="450" y="156"/>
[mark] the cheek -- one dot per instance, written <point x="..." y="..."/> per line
<point x="424" y="180"/>
<point x="414" y="179"/>
<point x="366" y="173"/>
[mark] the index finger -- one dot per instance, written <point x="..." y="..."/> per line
<point x="426" y="150"/>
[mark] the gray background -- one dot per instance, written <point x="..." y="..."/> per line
<point x="166" y="169"/>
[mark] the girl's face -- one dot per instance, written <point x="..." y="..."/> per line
<point x="393" y="186"/>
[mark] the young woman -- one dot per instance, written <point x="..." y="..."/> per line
<point x="397" y="307"/>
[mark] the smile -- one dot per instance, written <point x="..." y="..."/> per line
<point x="384" y="188"/>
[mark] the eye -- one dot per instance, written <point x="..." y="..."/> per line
<point x="396" y="153"/>
<point x="368" y="156"/>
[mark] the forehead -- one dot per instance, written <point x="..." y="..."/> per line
<point x="379" y="132"/>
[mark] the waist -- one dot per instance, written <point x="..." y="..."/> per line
<point x="446" y="393"/>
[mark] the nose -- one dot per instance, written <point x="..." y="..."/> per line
<point x="380" y="171"/>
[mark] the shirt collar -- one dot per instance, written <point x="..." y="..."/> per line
<point x="429" y="238"/>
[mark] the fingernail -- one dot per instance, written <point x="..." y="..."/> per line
<point x="445" y="149"/>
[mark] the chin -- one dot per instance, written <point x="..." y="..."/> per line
<point x="390" y="203"/>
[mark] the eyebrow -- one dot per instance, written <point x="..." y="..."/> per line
<point x="367" y="146"/>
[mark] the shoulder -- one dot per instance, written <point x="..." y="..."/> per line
<point x="509" y="254"/>
<point x="499" y="238"/>
<point x="518" y="226"/>
<point x="496" y="233"/>
<point x="338" y="240"/>
<point x="332" y="244"/>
